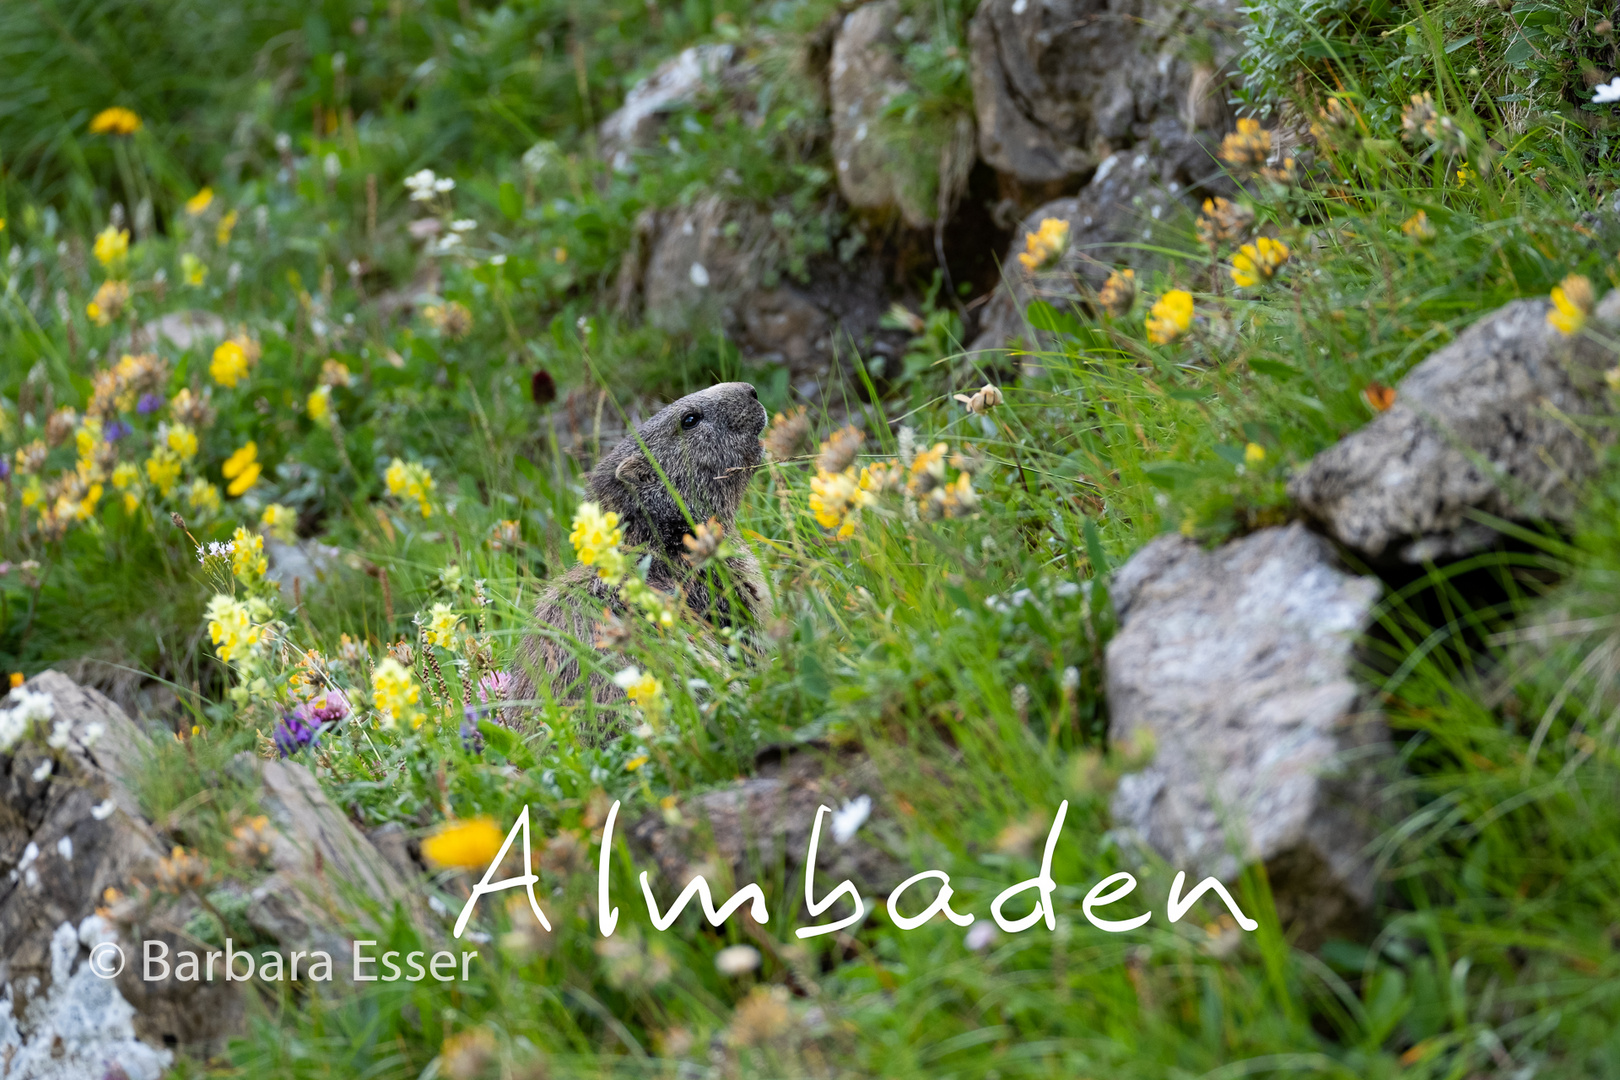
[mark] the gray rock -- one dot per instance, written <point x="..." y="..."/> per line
<point x="1491" y="422"/>
<point x="65" y="838"/>
<point x="1061" y="84"/>
<point x="758" y="827"/>
<point x="184" y="329"/>
<point x="883" y="164"/>
<point x="1236" y="663"/>
<point x="308" y="562"/>
<point x="675" y="84"/>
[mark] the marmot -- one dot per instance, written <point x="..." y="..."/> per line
<point x="707" y="445"/>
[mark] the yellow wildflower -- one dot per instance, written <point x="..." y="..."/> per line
<point x="163" y="469"/>
<point x="108" y="302"/>
<point x="1572" y="302"/>
<point x="230" y="364"/>
<point x="231" y="627"/>
<point x="277" y="520"/>
<point x="182" y="441"/>
<point x="1258" y="262"/>
<point x="1254" y="454"/>
<point x="193" y="271"/>
<point x="203" y="496"/>
<point x="319" y="404"/>
<point x="242" y="468"/>
<point x="441" y="626"/>
<point x="1418" y="227"/>
<point x="247" y="555"/>
<point x="222" y="234"/>
<point x="32" y="493"/>
<point x="395" y="693"/>
<point x="596" y="538"/>
<point x="112" y="246"/>
<point x="125" y="476"/>
<point x="411" y="481"/>
<point x="636" y="762"/>
<point x="1118" y="293"/>
<point x="200" y="202"/>
<point x="464" y="845"/>
<point x="927" y="469"/>
<point x="1464" y="173"/>
<point x="453" y="320"/>
<point x="1170" y="317"/>
<point x="115" y="121"/>
<point x="1247" y="148"/>
<point x="1045" y="245"/>
<point x="836" y="499"/>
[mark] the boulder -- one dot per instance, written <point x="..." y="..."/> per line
<point x="182" y="330"/>
<point x="1061" y="84"/>
<point x="755" y="828"/>
<point x="66" y="836"/>
<point x="1235" y="666"/>
<point x="882" y="163"/>
<point x="675" y="84"/>
<point x="1492" y="422"/>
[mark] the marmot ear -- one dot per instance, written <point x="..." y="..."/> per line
<point x="634" y="470"/>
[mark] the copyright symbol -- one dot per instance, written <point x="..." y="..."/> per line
<point x="106" y="960"/>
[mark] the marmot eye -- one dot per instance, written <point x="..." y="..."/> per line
<point x="691" y="420"/>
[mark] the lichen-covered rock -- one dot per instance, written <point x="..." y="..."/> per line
<point x="1061" y="84"/>
<point x="1492" y="422"/>
<point x="883" y="164"/>
<point x="676" y="83"/>
<point x="757" y="827"/>
<point x="1236" y="665"/>
<point x="67" y="834"/>
<point x="715" y="265"/>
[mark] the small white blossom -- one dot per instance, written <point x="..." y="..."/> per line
<point x="736" y="960"/>
<point x="103" y="809"/>
<point x="1606" y="93"/>
<point x="43" y="770"/>
<point x="465" y="224"/>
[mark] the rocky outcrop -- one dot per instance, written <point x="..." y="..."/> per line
<point x="883" y="163"/>
<point x="1498" y="421"/>
<point x="1235" y="665"/>
<point x="69" y="830"/>
<point x="715" y="264"/>
<point x="675" y="84"/>
<point x="1062" y="84"/>
<point x="759" y="826"/>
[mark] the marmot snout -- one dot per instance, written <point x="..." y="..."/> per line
<point x="706" y="446"/>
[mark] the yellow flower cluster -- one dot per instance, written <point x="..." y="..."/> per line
<point x="163" y="470"/>
<point x="230" y="364"/>
<point x="395" y="693"/>
<point x="202" y="496"/>
<point x="644" y="690"/>
<point x="596" y="537"/>
<point x="464" y="845"/>
<point x="193" y="271"/>
<point x="1258" y="262"/>
<point x="112" y="247"/>
<point x="108" y="303"/>
<point x="232" y="627"/>
<point x="1045" y="245"/>
<point x="441" y="626"/>
<point x="181" y="441"/>
<point x="199" y="203"/>
<point x="1170" y="317"/>
<point x="836" y="500"/>
<point x="1247" y="148"/>
<point x="1418" y="227"/>
<point x="248" y="560"/>
<point x="115" y="121"/>
<point x="242" y="468"/>
<point x="319" y="404"/>
<point x="1118" y="293"/>
<point x="1572" y="301"/>
<point x="411" y="480"/>
<point x="277" y="520"/>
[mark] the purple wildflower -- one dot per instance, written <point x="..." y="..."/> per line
<point x="327" y="708"/>
<point x="293" y="734"/>
<point x="115" y="431"/>
<point x="5" y="469"/>
<point x="149" y="403"/>
<point x="472" y="740"/>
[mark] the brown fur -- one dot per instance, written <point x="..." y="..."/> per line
<point x="708" y="465"/>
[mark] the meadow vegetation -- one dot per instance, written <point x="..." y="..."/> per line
<point x="939" y="552"/>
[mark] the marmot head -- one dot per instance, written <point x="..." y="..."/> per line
<point x="706" y="445"/>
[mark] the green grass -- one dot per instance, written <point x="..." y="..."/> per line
<point x="1493" y="950"/>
